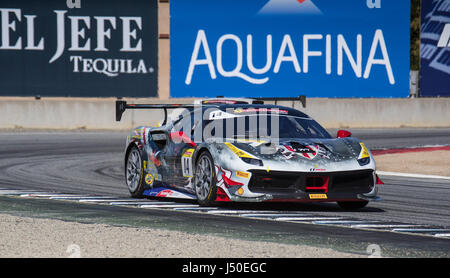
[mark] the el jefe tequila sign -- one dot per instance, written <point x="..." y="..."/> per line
<point x="86" y="41"/>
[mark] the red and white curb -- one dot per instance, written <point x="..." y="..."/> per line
<point x="410" y="175"/>
<point x="410" y="150"/>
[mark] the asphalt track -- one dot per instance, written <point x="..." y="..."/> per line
<point x="84" y="162"/>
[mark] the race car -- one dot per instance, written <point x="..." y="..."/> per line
<point x="242" y="150"/>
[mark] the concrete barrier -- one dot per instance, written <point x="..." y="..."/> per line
<point x="417" y="112"/>
<point x="99" y="114"/>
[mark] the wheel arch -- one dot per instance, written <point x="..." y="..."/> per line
<point x="129" y="147"/>
<point x="211" y="197"/>
<point x="201" y="149"/>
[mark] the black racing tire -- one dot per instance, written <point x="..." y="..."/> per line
<point x="205" y="180"/>
<point x="134" y="172"/>
<point x="353" y="205"/>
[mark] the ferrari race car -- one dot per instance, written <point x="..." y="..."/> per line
<point x="242" y="150"/>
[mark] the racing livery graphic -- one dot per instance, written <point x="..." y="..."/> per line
<point x="242" y="150"/>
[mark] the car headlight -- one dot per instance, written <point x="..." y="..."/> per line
<point x="253" y="161"/>
<point x="364" y="161"/>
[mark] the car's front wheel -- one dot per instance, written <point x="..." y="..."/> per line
<point x="205" y="180"/>
<point x="134" y="172"/>
<point x="353" y="205"/>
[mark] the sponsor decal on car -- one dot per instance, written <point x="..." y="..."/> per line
<point x="260" y="110"/>
<point x="242" y="174"/>
<point x="154" y="158"/>
<point x="165" y="193"/>
<point x="238" y="151"/>
<point x="186" y="163"/>
<point x="310" y="152"/>
<point x="364" y="151"/>
<point x="149" y="179"/>
<point x="317" y="196"/>
<point x="317" y="169"/>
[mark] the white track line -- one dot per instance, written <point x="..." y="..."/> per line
<point x="18" y="192"/>
<point x="69" y="198"/>
<point x="306" y="218"/>
<point x="81" y="197"/>
<point x="44" y="195"/>
<point x="442" y="235"/>
<point x="169" y="206"/>
<point x="195" y="208"/>
<point x="408" y="175"/>
<point x="343" y="222"/>
<point x="424" y="230"/>
<point x="139" y="203"/>
<point x="103" y="200"/>
<point x="384" y="226"/>
<point x="99" y="198"/>
<point x="237" y="212"/>
<point x="274" y="215"/>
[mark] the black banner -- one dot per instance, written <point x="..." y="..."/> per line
<point x="79" y="48"/>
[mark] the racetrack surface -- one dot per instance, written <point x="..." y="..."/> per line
<point x="85" y="162"/>
<point x="91" y="163"/>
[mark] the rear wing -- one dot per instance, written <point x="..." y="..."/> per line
<point x="301" y="98"/>
<point x="223" y="100"/>
<point x="122" y="106"/>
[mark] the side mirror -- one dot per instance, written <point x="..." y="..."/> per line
<point x="343" y="133"/>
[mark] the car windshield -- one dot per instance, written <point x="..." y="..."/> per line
<point x="264" y="126"/>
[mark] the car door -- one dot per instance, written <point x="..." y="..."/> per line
<point x="179" y="152"/>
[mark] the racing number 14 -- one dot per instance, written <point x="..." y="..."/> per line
<point x="186" y="163"/>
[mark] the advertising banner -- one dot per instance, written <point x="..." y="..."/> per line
<point x="285" y="48"/>
<point x="435" y="48"/>
<point x="78" y="48"/>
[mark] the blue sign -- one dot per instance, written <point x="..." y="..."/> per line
<point x="283" y="48"/>
<point x="435" y="48"/>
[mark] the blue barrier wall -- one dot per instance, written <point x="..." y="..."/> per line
<point x="267" y="48"/>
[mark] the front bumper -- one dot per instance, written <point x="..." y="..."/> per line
<point x="282" y="186"/>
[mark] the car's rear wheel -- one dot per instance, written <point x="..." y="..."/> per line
<point x="134" y="173"/>
<point x="353" y="205"/>
<point x="205" y="180"/>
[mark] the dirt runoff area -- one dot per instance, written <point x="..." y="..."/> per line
<point x="424" y="162"/>
<point x="35" y="237"/>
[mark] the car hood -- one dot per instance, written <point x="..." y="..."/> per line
<point x="298" y="149"/>
<point x="292" y="154"/>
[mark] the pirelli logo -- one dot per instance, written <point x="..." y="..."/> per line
<point x="242" y="174"/>
<point x="317" y="196"/>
